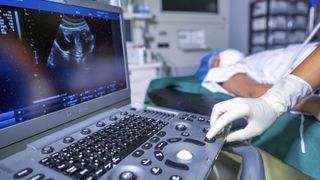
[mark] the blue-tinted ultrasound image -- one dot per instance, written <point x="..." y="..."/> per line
<point x="47" y="54"/>
<point x="74" y="42"/>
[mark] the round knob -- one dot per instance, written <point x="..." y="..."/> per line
<point x="127" y="175"/>
<point x="68" y="140"/>
<point x="85" y="131"/>
<point x="181" y="127"/>
<point x="113" y="118"/>
<point x="47" y="150"/>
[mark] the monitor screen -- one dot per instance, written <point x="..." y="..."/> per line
<point x="206" y="6"/>
<point x="55" y="56"/>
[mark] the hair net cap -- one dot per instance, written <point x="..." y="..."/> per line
<point x="229" y="57"/>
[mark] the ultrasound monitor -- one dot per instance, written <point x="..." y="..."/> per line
<point x="58" y="63"/>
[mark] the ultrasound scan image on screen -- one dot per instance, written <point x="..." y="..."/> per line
<point x="54" y="60"/>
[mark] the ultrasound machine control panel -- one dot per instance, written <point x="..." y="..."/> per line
<point x="122" y="144"/>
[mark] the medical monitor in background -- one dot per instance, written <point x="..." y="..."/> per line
<point x="57" y="57"/>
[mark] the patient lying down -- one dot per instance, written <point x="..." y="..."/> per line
<point x="252" y="76"/>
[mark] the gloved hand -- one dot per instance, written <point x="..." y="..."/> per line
<point x="259" y="112"/>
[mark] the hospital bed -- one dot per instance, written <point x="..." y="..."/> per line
<point x="282" y="140"/>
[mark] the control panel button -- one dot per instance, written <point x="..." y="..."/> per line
<point x="176" y="165"/>
<point x="181" y="127"/>
<point x="37" y="177"/>
<point x="155" y="139"/>
<point x="156" y="170"/>
<point x="44" y="161"/>
<point x="23" y="173"/>
<point x="161" y="145"/>
<point x="147" y="146"/>
<point x="205" y="130"/>
<point x="196" y="142"/>
<point x="124" y="113"/>
<point x="47" y="150"/>
<point x="146" y="162"/>
<point x="138" y="153"/>
<point x="85" y="131"/>
<point x="127" y="175"/>
<point x="68" y="140"/>
<point x="201" y="119"/>
<point x="100" y="124"/>
<point x="184" y="155"/>
<point x="212" y="140"/>
<point x="161" y="134"/>
<point x="174" y="140"/>
<point x="83" y="172"/>
<point x="113" y="118"/>
<point x="185" y="134"/>
<point x="159" y="155"/>
<point x="175" y="177"/>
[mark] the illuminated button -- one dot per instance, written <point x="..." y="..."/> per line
<point x="37" y="177"/>
<point x="127" y="175"/>
<point x="159" y="155"/>
<point x="146" y="162"/>
<point x="184" y="155"/>
<point x="161" y="134"/>
<point x="175" y="177"/>
<point x="185" y="134"/>
<point x="156" y="170"/>
<point x="161" y="145"/>
<point x="23" y="173"/>
<point x="155" y="139"/>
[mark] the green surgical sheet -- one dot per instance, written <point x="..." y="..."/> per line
<point x="282" y="139"/>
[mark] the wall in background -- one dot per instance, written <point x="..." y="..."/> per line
<point x="239" y="25"/>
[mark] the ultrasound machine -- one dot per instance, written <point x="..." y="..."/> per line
<point x="65" y="110"/>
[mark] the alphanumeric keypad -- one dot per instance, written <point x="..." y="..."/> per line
<point x="97" y="153"/>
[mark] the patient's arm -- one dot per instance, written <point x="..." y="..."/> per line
<point x="244" y="86"/>
<point x="310" y="104"/>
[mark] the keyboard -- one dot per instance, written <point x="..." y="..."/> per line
<point x="101" y="151"/>
<point x="121" y="144"/>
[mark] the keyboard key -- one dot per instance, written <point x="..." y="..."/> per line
<point x="158" y="155"/>
<point x="138" y="153"/>
<point x="71" y="170"/>
<point x="156" y="170"/>
<point x="37" y="177"/>
<point x="146" y="162"/>
<point x="23" y="173"/>
<point x="147" y="146"/>
<point x="161" y="145"/>
<point x="174" y="140"/>
<point x="161" y="134"/>
<point x="155" y="139"/>
<point x="83" y="172"/>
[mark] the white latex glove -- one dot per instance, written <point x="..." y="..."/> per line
<point x="261" y="112"/>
